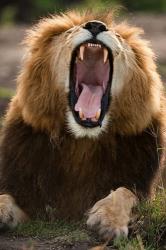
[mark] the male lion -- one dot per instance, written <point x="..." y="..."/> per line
<point x="87" y="118"/>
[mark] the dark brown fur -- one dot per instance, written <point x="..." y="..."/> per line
<point x="71" y="175"/>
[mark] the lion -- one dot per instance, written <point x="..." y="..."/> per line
<point x="82" y="133"/>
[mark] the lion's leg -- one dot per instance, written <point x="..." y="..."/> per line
<point x="10" y="214"/>
<point x="111" y="215"/>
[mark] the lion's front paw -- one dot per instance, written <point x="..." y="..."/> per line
<point x="110" y="216"/>
<point x="101" y="220"/>
<point x="10" y="214"/>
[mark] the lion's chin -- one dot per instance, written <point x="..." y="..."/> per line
<point x="79" y="131"/>
<point x="90" y="83"/>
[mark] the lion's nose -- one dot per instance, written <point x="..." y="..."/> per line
<point x="95" y="27"/>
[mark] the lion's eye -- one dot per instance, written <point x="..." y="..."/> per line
<point x="69" y="31"/>
<point x="117" y="34"/>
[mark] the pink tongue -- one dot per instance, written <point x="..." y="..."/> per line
<point x="89" y="100"/>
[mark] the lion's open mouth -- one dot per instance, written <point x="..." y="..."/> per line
<point x="90" y="82"/>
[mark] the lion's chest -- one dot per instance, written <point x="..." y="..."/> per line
<point x="83" y="175"/>
<point x="83" y="171"/>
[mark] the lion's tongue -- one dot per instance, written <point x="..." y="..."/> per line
<point x="89" y="101"/>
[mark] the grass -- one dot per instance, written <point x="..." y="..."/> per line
<point x="60" y="230"/>
<point x="147" y="231"/>
<point x="6" y="93"/>
<point x="151" y="224"/>
<point x="162" y="70"/>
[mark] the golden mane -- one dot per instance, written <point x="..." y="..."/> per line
<point x="131" y="110"/>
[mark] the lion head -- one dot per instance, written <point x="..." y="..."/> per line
<point x="84" y="74"/>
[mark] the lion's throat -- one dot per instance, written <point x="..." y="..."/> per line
<point x="89" y="101"/>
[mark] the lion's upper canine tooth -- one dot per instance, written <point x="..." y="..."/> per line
<point x="98" y="114"/>
<point x="105" y="54"/>
<point x="82" y="48"/>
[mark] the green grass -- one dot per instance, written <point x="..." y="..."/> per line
<point x="162" y="70"/>
<point x="133" y="244"/>
<point x="62" y="231"/>
<point x="148" y="229"/>
<point x="6" y="93"/>
<point x="151" y="223"/>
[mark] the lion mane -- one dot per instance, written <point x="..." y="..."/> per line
<point x="48" y="158"/>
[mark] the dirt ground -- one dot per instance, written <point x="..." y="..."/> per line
<point x="11" y="54"/>
<point x="25" y="243"/>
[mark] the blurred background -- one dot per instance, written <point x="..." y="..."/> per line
<point x="17" y="15"/>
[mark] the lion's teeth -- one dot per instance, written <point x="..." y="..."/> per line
<point x="105" y="54"/>
<point x="94" y="45"/>
<point x="81" y="114"/>
<point x="98" y="114"/>
<point x="82" y="48"/>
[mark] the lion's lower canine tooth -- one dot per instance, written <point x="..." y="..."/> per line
<point x="98" y="114"/>
<point x="105" y="54"/>
<point x="81" y="114"/>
